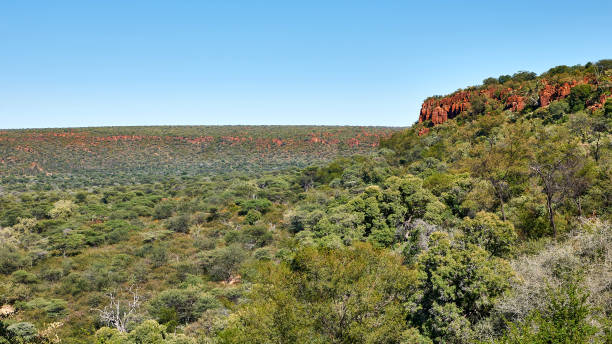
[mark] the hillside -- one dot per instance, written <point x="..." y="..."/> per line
<point x="487" y="221"/>
<point x="95" y="154"/>
<point x="547" y="96"/>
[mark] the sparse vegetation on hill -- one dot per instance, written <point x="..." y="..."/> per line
<point x="80" y="156"/>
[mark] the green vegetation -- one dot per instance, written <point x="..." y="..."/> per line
<point x="493" y="227"/>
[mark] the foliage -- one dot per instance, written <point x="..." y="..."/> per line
<point x="463" y="233"/>
<point x="334" y="296"/>
<point x="489" y="232"/>
<point x="188" y="304"/>
<point x="459" y="287"/>
<point x="564" y="320"/>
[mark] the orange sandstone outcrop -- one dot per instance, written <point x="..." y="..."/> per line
<point x="516" y="102"/>
<point x="440" y="110"/>
<point x="551" y="92"/>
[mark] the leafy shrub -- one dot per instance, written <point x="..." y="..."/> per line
<point x="490" y="81"/>
<point x="348" y="295"/>
<point x="75" y="284"/>
<point x="262" y="205"/>
<point x="163" y="211"/>
<point x="459" y="287"/>
<point x="522" y="76"/>
<point x="578" y="97"/>
<point x="53" y="307"/>
<point x="22" y="332"/>
<point x="489" y="232"/>
<point x="221" y="263"/>
<point x="558" y="70"/>
<point x="252" y="216"/>
<point x="52" y="275"/>
<point x="158" y="255"/>
<point x="251" y="237"/>
<point x="22" y="276"/>
<point x="178" y="224"/>
<point x="504" y="78"/>
<point x="10" y="259"/>
<point x="62" y="209"/>
<point x="188" y="304"/>
<point x="608" y="108"/>
<point x="565" y="319"/>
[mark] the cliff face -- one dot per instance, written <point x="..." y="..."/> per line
<point x="440" y="110"/>
<point x="555" y="92"/>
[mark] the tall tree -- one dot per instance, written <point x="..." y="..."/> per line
<point x="554" y="164"/>
<point x="501" y="159"/>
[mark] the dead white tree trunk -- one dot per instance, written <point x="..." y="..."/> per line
<point x="119" y="313"/>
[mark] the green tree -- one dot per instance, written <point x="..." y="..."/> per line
<point x="252" y="216"/>
<point x="502" y="160"/>
<point x="557" y="158"/>
<point x="578" y="97"/>
<point x="188" y="304"/>
<point x="62" y="209"/>
<point x="348" y="295"/>
<point x="459" y="286"/>
<point x="489" y="232"/>
<point x="222" y="263"/>
<point x="565" y="319"/>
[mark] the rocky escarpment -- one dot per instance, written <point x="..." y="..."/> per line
<point x="555" y="92"/>
<point x="440" y="109"/>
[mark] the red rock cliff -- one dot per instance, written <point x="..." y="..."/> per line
<point x="439" y="110"/>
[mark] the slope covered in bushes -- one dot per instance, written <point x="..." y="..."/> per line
<point x="489" y="227"/>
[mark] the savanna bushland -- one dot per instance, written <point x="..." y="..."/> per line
<point x="487" y="221"/>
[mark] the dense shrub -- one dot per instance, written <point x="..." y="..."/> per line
<point x="489" y="232"/>
<point x="178" y="224"/>
<point x="221" y="263"/>
<point x="188" y="304"/>
<point x="163" y="211"/>
<point x="578" y="97"/>
<point x="22" y="276"/>
<point x="54" y="308"/>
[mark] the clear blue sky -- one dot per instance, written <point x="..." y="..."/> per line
<point x="89" y="63"/>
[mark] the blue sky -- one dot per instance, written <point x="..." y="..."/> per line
<point x="91" y="63"/>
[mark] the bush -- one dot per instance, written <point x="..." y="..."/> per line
<point x="188" y="304"/>
<point x="608" y="108"/>
<point x="222" y="263"/>
<point x="62" y="209"/>
<point x="262" y="205"/>
<point x="504" y="78"/>
<point x="557" y="109"/>
<point x="565" y="319"/>
<point x="578" y="97"/>
<point x="53" y="307"/>
<point x="250" y="237"/>
<point x="558" y="70"/>
<point x="75" y="284"/>
<point x="252" y="216"/>
<point x="348" y="295"/>
<point x="162" y="211"/>
<point x="490" y="81"/>
<point x="158" y="255"/>
<point x="10" y="259"/>
<point x="178" y="224"/>
<point x="522" y="76"/>
<point x="22" y="276"/>
<point x="52" y="275"/>
<point x="489" y="232"/>
<point x="460" y="284"/>
<point x="21" y="332"/>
